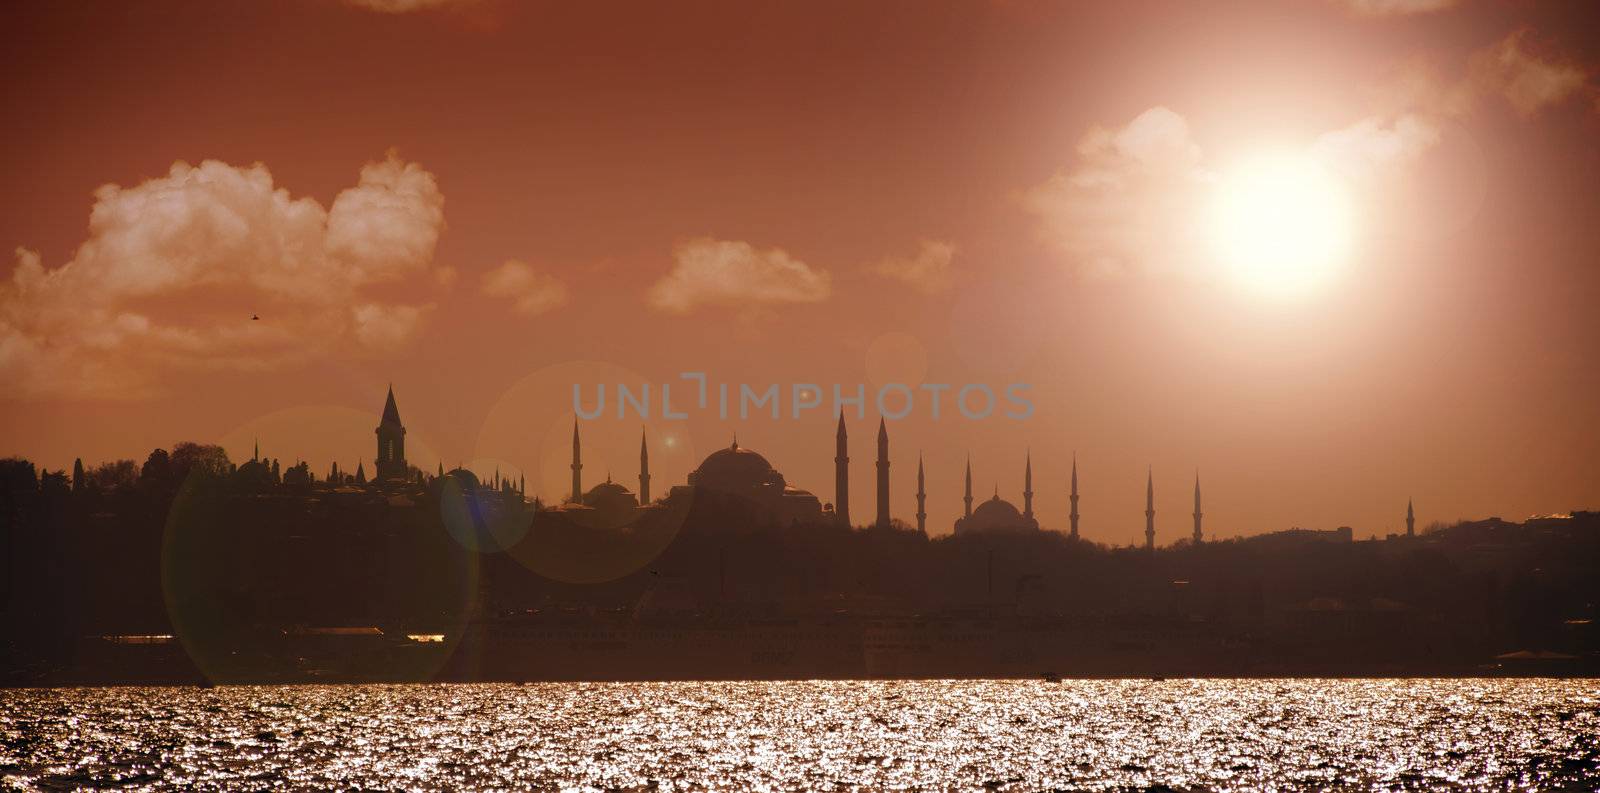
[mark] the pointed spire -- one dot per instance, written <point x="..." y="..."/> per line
<point x="968" y="498"/>
<point x="883" y="474"/>
<point x="1027" y="486"/>
<point x="1073" y="497"/>
<point x="1199" y="536"/>
<point x="256" y="455"/>
<point x="644" y="468"/>
<point x="841" y="475"/>
<point x="922" y="499"/>
<point x="1150" y="510"/>
<point x="391" y="412"/>
<point x="577" y="465"/>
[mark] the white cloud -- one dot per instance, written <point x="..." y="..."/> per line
<point x="1137" y="198"/>
<point x="531" y="292"/>
<point x="1392" y="8"/>
<point x="711" y="272"/>
<point x="1370" y="147"/>
<point x="173" y="269"/>
<point x="404" y="6"/>
<point x="928" y="271"/>
<point x="1130" y="201"/>
<point x="1530" y="82"/>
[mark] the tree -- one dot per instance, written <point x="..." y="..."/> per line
<point x="188" y="457"/>
<point x="297" y="476"/>
<point x="157" y="469"/>
<point x="113" y="475"/>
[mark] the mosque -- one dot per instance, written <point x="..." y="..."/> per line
<point x="743" y="474"/>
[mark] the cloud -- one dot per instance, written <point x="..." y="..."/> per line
<point x="1129" y="201"/>
<point x="711" y="272"/>
<point x="928" y="271"/>
<point x="1136" y="199"/>
<point x="404" y="6"/>
<point x="173" y="269"/>
<point x="1371" y="147"/>
<point x="1529" y="81"/>
<point x="531" y="292"/>
<point x="1394" y="8"/>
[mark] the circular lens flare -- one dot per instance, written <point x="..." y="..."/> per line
<point x="1282" y="225"/>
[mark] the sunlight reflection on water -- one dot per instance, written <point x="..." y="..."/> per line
<point x="1008" y="735"/>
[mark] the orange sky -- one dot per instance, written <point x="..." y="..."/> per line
<point x="484" y="202"/>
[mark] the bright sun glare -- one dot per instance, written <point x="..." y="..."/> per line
<point x="1282" y="225"/>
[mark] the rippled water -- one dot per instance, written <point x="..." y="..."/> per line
<point x="1010" y="735"/>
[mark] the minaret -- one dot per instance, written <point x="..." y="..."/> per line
<point x="922" y="500"/>
<point x="1150" y="512"/>
<point x="883" y="475"/>
<point x="256" y="455"/>
<point x="1074" y="513"/>
<point x="1198" y="536"/>
<point x="968" y="499"/>
<point x="577" y="467"/>
<point x="841" y="475"/>
<point x="1411" y="520"/>
<point x="644" y="470"/>
<point x="1027" y="488"/>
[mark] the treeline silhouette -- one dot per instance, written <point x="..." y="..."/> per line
<point x="189" y="542"/>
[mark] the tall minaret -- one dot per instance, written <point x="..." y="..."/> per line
<point x="841" y="475"/>
<point x="1198" y="536"/>
<point x="922" y="500"/>
<point x="968" y="499"/>
<point x="1027" y="487"/>
<point x="577" y="467"/>
<point x="1074" y="513"/>
<point x="883" y="475"/>
<point x="644" y="470"/>
<point x="1150" y="512"/>
<point x="1411" y="520"/>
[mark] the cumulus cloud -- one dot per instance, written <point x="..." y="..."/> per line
<point x="1136" y="199"/>
<point x="928" y="271"/>
<point x="712" y="272"/>
<point x="1527" y="80"/>
<point x="1394" y="8"/>
<point x="404" y="6"/>
<point x="1373" y="146"/>
<point x="531" y="292"/>
<point x="174" y="267"/>
<point x="1129" y="201"/>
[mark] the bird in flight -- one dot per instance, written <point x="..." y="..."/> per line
<point x="255" y="317"/>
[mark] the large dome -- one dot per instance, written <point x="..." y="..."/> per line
<point x="997" y="512"/>
<point x="734" y="469"/>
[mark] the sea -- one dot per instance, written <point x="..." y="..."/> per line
<point x="1404" y="734"/>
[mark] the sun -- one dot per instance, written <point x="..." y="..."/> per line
<point x="1282" y="224"/>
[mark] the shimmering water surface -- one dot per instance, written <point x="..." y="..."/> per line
<point x="1008" y="735"/>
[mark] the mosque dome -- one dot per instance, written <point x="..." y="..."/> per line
<point x="466" y="480"/>
<point x="997" y="512"/>
<point x="612" y="504"/>
<point x="606" y="489"/>
<point x="736" y="469"/>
